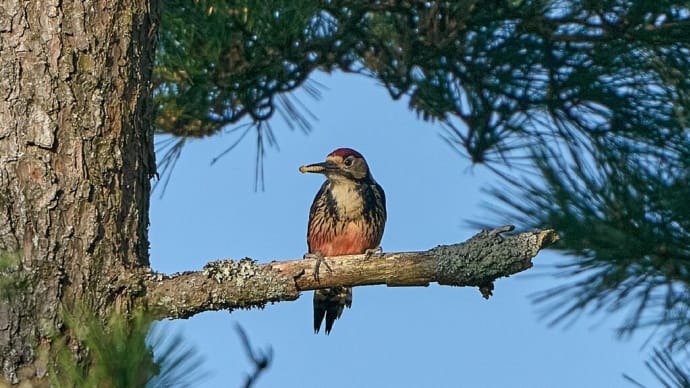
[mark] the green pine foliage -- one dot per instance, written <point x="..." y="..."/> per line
<point x="127" y="351"/>
<point x="218" y="61"/>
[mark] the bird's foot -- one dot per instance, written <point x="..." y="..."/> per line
<point x="320" y="258"/>
<point x="371" y="251"/>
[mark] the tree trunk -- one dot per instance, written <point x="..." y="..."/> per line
<point x="76" y="157"/>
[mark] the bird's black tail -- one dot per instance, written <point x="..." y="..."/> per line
<point x="329" y="303"/>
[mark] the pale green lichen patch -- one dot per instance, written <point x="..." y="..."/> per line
<point x="225" y="270"/>
<point x="13" y="278"/>
<point x="247" y="284"/>
<point x="221" y="285"/>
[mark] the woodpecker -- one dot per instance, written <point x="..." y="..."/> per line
<point x="347" y="217"/>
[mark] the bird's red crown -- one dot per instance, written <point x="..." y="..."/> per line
<point x="345" y="152"/>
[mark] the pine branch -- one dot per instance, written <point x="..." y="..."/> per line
<point x="261" y="359"/>
<point x="228" y="284"/>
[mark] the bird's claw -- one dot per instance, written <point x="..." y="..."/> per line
<point x="320" y="258"/>
<point x="371" y="251"/>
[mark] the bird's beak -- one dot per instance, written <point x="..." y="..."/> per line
<point x="319" y="168"/>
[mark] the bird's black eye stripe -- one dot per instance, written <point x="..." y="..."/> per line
<point x="348" y="161"/>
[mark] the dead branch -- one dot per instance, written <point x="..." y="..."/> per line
<point x="228" y="284"/>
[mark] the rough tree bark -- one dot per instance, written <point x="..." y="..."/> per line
<point x="76" y="157"/>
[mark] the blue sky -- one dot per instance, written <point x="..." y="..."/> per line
<point x="392" y="337"/>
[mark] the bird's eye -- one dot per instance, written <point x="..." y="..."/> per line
<point x="348" y="162"/>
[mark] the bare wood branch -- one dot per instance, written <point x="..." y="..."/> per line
<point x="228" y="284"/>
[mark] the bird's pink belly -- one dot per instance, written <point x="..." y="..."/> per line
<point x="350" y="241"/>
